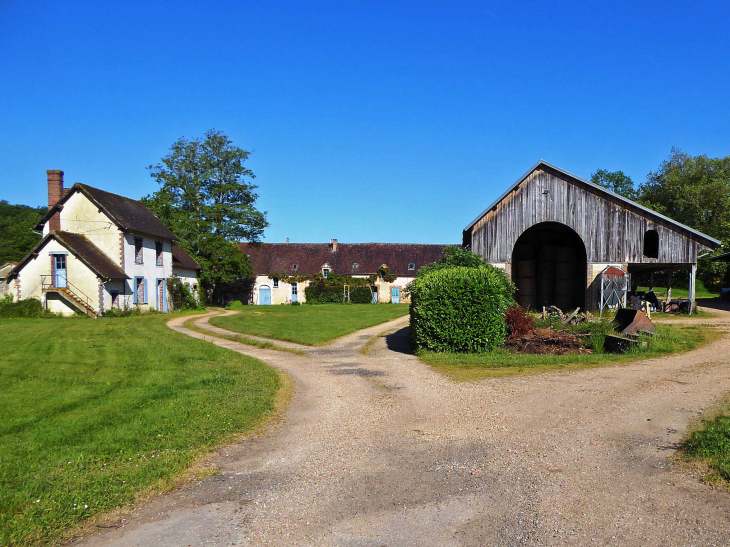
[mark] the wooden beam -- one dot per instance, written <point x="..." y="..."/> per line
<point x="669" y="286"/>
<point x="692" y="278"/>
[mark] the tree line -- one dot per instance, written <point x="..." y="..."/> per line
<point x="693" y="190"/>
<point x="207" y="197"/>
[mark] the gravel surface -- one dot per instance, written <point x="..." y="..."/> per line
<point x="382" y="450"/>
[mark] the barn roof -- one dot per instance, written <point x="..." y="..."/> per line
<point x="279" y="258"/>
<point x="599" y="190"/>
<point x="129" y="214"/>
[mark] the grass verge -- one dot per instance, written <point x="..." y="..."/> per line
<point x="241" y="338"/>
<point x="311" y="325"/>
<point x="98" y="414"/>
<point x="473" y="367"/>
<point x="709" y="447"/>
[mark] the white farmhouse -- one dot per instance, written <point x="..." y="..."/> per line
<point x="99" y="251"/>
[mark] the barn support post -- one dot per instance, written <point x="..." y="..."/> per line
<point x="692" y="279"/>
<point x="651" y="281"/>
<point x="669" y="286"/>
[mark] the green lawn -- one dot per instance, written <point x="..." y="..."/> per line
<point x="311" y="325"/>
<point x="472" y="367"/>
<point x="95" y="412"/>
<point x="661" y="292"/>
<point x="711" y="445"/>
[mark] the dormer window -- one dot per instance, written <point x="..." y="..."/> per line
<point x="411" y="266"/>
<point x="138" y="248"/>
<point x="295" y="266"/>
<point x="325" y="272"/>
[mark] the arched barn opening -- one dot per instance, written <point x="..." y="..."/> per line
<point x="549" y="267"/>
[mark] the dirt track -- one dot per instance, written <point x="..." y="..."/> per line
<point x="382" y="450"/>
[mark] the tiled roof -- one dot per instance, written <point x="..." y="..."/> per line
<point x="181" y="259"/>
<point x="84" y="249"/>
<point x="129" y="214"/>
<point x="271" y="258"/>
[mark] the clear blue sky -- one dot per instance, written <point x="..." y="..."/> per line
<point x="369" y="121"/>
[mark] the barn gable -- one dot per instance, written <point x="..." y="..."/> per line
<point x="555" y="232"/>
<point x="611" y="226"/>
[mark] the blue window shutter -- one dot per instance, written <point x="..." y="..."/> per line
<point x="164" y="296"/>
<point x="146" y="293"/>
<point x="134" y="288"/>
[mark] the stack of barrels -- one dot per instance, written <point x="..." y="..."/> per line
<point x="566" y="278"/>
<point x="525" y="270"/>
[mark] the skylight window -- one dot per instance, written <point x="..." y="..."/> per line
<point x="294" y="266"/>
<point x="411" y="266"/>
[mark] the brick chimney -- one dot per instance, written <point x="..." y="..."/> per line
<point x="287" y="241"/>
<point x="55" y="192"/>
<point x="333" y="245"/>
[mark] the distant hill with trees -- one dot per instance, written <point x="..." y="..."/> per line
<point x="16" y="225"/>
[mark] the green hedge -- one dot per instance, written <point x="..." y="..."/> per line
<point x="460" y="309"/>
<point x="361" y="295"/>
<point x="320" y="293"/>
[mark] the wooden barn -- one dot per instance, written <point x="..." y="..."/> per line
<point x="556" y="233"/>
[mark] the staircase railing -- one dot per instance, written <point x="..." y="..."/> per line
<point x="48" y="283"/>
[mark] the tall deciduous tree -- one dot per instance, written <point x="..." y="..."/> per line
<point x="208" y="199"/>
<point x="694" y="190"/>
<point x="616" y="181"/>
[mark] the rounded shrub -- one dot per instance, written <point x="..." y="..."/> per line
<point x="460" y="309"/>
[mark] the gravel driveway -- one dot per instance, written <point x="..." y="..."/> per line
<point x="381" y="450"/>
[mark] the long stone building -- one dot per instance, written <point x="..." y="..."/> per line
<point x="555" y="233"/>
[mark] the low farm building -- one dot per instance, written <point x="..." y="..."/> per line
<point x="274" y="261"/>
<point x="556" y="233"/>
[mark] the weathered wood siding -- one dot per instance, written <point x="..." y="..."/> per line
<point x="611" y="231"/>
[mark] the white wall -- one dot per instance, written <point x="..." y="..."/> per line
<point x="148" y="269"/>
<point x="81" y="279"/>
<point x="282" y="294"/>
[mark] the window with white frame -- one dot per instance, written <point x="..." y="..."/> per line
<point x="276" y="282"/>
<point x="325" y="272"/>
<point x="294" y="289"/>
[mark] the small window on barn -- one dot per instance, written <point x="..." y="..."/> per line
<point x="294" y="266"/>
<point x="138" y="248"/>
<point x="651" y="244"/>
<point x="411" y="266"/>
<point x="276" y="282"/>
<point x="158" y="253"/>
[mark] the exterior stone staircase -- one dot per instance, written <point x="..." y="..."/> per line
<point x="78" y="300"/>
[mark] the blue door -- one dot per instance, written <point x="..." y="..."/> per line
<point x="59" y="268"/>
<point x="264" y="296"/>
<point x="375" y="297"/>
<point x="294" y="292"/>
<point x="395" y="295"/>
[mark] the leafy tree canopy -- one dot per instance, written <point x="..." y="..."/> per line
<point x="16" y="230"/>
<point x="616" y="181"/>
<point x="207" y="198"/>
<point x="694" y="190"/>
<point x="454" y="256"/>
